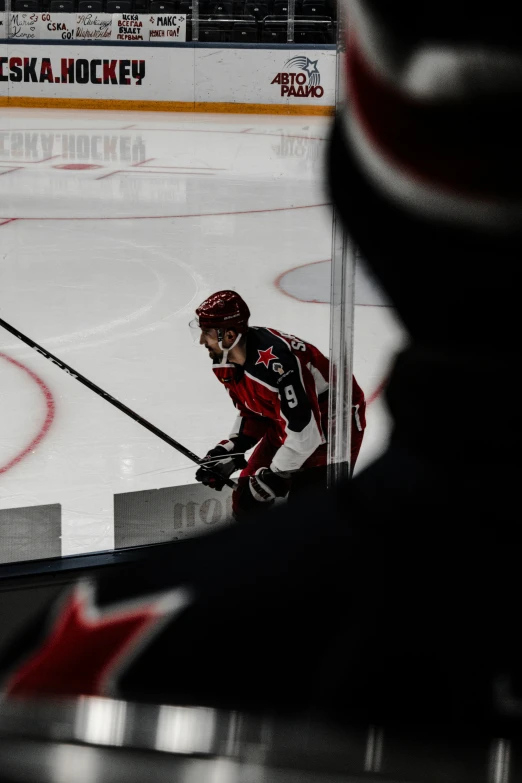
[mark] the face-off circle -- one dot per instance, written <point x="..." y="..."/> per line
<point x="42" y="431"/>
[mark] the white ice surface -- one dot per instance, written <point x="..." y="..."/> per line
<point x="104" y="266"/>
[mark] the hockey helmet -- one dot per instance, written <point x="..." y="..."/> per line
<point x="223" y="310"/>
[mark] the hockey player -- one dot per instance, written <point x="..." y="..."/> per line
<point x="279" y="385"/>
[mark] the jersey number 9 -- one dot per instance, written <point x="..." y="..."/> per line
<point x="290" y="396"/>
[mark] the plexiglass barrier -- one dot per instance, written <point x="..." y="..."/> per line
<point x="114" y="229"/>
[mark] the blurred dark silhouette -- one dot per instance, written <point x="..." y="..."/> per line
<point x="393" y="597"/>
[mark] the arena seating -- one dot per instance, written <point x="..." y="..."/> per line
<point x="221" y="21"/>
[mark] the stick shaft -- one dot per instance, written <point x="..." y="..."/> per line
<point x="112" y="400"/>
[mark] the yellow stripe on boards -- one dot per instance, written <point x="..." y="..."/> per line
<point x="185" y="106"/>
<point x="95" y="103"/>
<point x="265" y="108"/>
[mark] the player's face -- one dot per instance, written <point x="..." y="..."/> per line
<point x="209" y="338"/>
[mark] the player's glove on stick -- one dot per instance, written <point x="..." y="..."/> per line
<point x="266" y="485"/>
<point x="222" y="459"/>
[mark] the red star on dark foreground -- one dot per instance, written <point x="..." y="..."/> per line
<point x="265" y="357"/>
<point x="86" y="647"/>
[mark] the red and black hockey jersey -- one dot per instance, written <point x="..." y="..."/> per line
<point x="284" y="379"/>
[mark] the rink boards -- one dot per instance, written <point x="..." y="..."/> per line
<point x="165" y="76"/>
<point x="150" y="516"/>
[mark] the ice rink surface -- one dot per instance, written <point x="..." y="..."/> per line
<point x="113" y="228"/>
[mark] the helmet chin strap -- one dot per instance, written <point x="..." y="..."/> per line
<point x="226" y="350"/>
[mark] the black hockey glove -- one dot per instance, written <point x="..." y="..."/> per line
<point x="266" y="485"/>
<point x="222" y="459"/>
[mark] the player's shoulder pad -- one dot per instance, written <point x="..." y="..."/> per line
<point x="276" y="359"/>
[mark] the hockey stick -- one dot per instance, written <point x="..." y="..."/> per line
<point x="96" y="389"/>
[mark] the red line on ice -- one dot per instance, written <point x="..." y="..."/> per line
<point x="377" y="392"/>
<point x="279" y="278"/>
<point x="50" y="410"/>
<point x="184" y="168"/>
<point x="191" y="215"/>
<point x="9" y="171"/>
<point x="142" y="162"/>
<point x="173" y="130"/>
<point x="32" y="162"/>
<point x="142" y="171"/>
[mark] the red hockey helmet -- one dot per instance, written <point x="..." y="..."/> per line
<point x="222" y="310"/>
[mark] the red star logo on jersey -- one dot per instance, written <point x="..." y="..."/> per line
<point x="86" y="647"/>
<point x="265" y="357"/>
